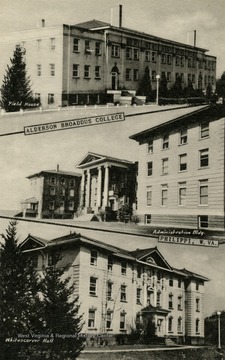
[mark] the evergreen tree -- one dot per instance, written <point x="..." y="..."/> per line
<point x="15" y="90"/>
<point x="220" y="86"/>
<point x="177" y="91"/>
<point x="163" y="91"/>
<point x="60" y="316"/>
<point x="18" y="294"/>
<point x="145" y="88"/>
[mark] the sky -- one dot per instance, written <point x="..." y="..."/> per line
<point x="171" y="19"/>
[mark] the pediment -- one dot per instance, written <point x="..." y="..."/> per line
<point x="152" y="257"/>
<point x="90" y="159"/>
<point x="32" y="243"/>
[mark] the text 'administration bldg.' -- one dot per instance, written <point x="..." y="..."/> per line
<point x="77" y="64"/>
<point x="118" y="288"/>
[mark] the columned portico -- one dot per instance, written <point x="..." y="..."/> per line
<point x="106" y="187"/>
<point x="88" y="189"/>
<point x="99" y="190"/>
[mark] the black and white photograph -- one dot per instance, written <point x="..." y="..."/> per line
<point x="112" y="185"/>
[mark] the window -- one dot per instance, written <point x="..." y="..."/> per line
<point x="165" y="142"/>
<point x="128" y="53"/>
<point x="110" y="263"/>
<point x="182" y="200"/>
<point x="164" y="195"/>
<point x="63" y="191"/>
<point x="136" y="54"/>
<point x="52" y="69"/>
<point x="71" y="205"/>
<point x="122" y="320"/>
<point x="193" y="78"/>
<point x="197" y="326"/>
<point x="98" y="48"/>
<point x="179" y="324"/>
<point x="183" y="136"/>
<point x="203" y="192"/>
<point x="138" y="298"/>
<point x="170" y="281"/>
<point x="94" y="256"/>
<point x="150" y="146"/>
<point x="75" y="45"/>
<point x="147" y="55"/>
<point x="203" y="221"/>
<point x="182" y="61"/>
<point x="197" y="304"/>
<point x="38" y="44"/>
<point x="148" y="219"/>
<point x="154" y="56"/>
<point x="149" y="168"/>
<point x="149" y="196"/>
<point x="87" y="47"/>
<point x="52" y="190"/>
<point x="183" y="162"/>
<point x="72" y="183"/>
<point x="170" y="301"/>
<point x="123" y="268"/>
<point x="115" y="50"/>
<point x="179" y="283"/>
<point x="109" y="290"/>
<point x="97" y="72"/>
<point x="63" y="181"/>
<point x="163" y="59"/>
<point x="51" y="205"/>
<point x="108" y="319"/>
<point x="158" y="298"/>
<point x="153" y="75"/>
<point x="75" y="70"/>
<point x="52" y="43"/>
<point x="37" y="97"/>
<point x="53" y="180"/>
<point x="165" y="163"/>
<point x="51" y="259"/>
<point x="197" y="286"/>
<point x="168" y="76"/>
<point x="91" y="318"/>
<point x="128" y="74"/>
<point x="123" y="294"/>
<point x="177" y="61"/>
<point x="93" y="286"/>
<point x="38" y="69"/>
<point x="179" y="302"/>
<point x="139" y="272"/>
<point x="204" y="158"/>
<point x="170" y="324"/>
<point x="135" y="74"/>
<point x="169" y="59"/>
<point x="87" y="71"/>
<point x="72" y="192"/>
<point x="51" y="98"/>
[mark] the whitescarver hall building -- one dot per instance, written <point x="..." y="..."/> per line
<point x="118" y="288"/>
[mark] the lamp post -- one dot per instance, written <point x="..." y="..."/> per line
<point x="219" y="342"/>
<point x="157" y="89"/>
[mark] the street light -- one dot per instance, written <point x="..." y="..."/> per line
<point x="219" y="342"/>
<point x="157" y="89"/>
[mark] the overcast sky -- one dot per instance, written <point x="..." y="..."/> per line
<point x="172" y="19"/>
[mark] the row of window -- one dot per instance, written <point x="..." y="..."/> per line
<point x="202" y="220"/>
<point x="60" y="206"/>
<point x="51" y="69"/>
<point x="182" y="163"/>
<point x="203" y="193"/>
<point x="109" y="318"/>
<point x="183" y="137"/>
<point x="52" y="192"/>
<point x="63" y="181"/>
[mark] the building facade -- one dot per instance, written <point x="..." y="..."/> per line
<point x="181" y="171"/>
<point x="54" y="194"/>
<point x="118" y="288"/>
<point x="107" y="183"/>
<point x="77" y="64"/>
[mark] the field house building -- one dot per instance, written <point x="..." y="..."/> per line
<point x="78" y="64"/>
<point x="118" y="288"/>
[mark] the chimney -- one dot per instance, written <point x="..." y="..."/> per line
<point x="120" y="15"/>
<point x="194" y="38"/>
<point x="57" y="167"/>
<point x="43" y="22"/>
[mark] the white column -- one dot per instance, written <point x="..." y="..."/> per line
<point x="99" y="192"/>
<point x="106" y="186"/>
<point x="82" y="190"/>
<point x="88" y="189"/>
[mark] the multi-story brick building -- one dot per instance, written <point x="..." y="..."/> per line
<point x="117" y="287"/>
<point x="54" y="193"/>
<point x="181" y="171"/>
<point x="77" y="64"/>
